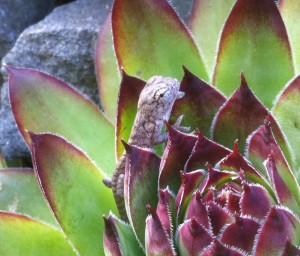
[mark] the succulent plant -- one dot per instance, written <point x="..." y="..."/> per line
<point x="229" y="188"/>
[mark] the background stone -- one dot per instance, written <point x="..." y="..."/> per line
<point x="16" y="15"/>
<point x="63" y="45"/>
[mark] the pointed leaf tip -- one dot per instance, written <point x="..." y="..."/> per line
<point x="127" y="147"/>
<point x="253" y="23"/>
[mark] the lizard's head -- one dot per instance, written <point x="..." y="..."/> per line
<point x="159" y="95"/>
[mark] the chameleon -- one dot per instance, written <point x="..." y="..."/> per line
<point x="154" y="108"/>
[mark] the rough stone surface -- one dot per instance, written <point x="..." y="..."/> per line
<point x="16" y="15"/>
<point x="63" y="45"/>
<point x="183" y="8"/>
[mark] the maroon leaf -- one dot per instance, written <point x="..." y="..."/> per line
<point x="241" y="234"/>
<point x="260" y="144"/>
<point x="205" y="151"/>
<point x="290" y="250"/>
<point x="190" y="181"/>
<point x="233" y="202"/>
<point x="280" y="226"/>
<point x="241" y="115"/>
<point x="129" y="93"/>
<point x="141" y="175"/>
<point x="255" y="201"/>
<point x="110" y="240"/>
<point x="236" y="162"/>
<point x="199" y="105"/>
<point x="218" y="249"/>
<point x="192" y="238"/>
<point x="196" y="209"/>
<point x="218" y="217"/>
<point x="215" y="178"/>
<point x="286" y="188"/>
<point x="177" y="152"/>
<point x="157" y="240"/>
<point x="163" y="210"/>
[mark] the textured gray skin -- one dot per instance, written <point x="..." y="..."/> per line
<point x="154" y="107"/>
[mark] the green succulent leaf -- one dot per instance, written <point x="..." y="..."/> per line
<point x="20" y="193"/>
<point x="287" y="113"/>
<point x="119" y="238"/>
<point x="107" y="71"/>
<point x="208" y="18"/>
<point x="289" y="10"/>
<point x="244" y="109"/>
<point x="279" y="227"/>
<point x="3" y="163"/>
<point x="42" y="103"/>
<point x="140" y="187"/>
<point x="150" y="39"/>
<point x="21" y="235"/>
<point x="130" y="90"/>
<point x="254" y="41"/>
<point x="199" y="104"/>
<point x="73" y="187"/>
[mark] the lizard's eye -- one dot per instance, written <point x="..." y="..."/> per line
<point x="161" y="95"/>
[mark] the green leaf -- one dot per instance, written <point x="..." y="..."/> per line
<point x="119" y="237"/>
<point x="107" y="71"/>
<point x="140" y="186"/>
<point x="207" y="18"/>
<point x="19" y="192"/>
<point x="289" y="10"/>
<point x="20" y="235"/>
<point x="73" y="187"/>
<point x="254" y="40"/>
<point x="150" y="39"/>
<point x="130" y="90"/>
<point x="3" y="163"/>
<point x="42" y="103"/>
<point x="287" y="112"/>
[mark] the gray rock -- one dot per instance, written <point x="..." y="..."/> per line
<point x="16" y="15"/>
<point x="183" y="8"/>
<point x="63" y="45"/>
<point x="11" y="141"/>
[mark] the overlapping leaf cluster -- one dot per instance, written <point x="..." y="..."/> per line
<point x="229" y="188"/>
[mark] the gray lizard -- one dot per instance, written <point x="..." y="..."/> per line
<point x="154" y="107"/>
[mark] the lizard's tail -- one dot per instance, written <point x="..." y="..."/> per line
<point x="117" y="182"/>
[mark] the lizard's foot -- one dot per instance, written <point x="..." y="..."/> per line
<point x="107" y="182"/>
<point x="177" y="126"/>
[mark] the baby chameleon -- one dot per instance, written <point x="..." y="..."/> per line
<point x="154" y="107"/>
